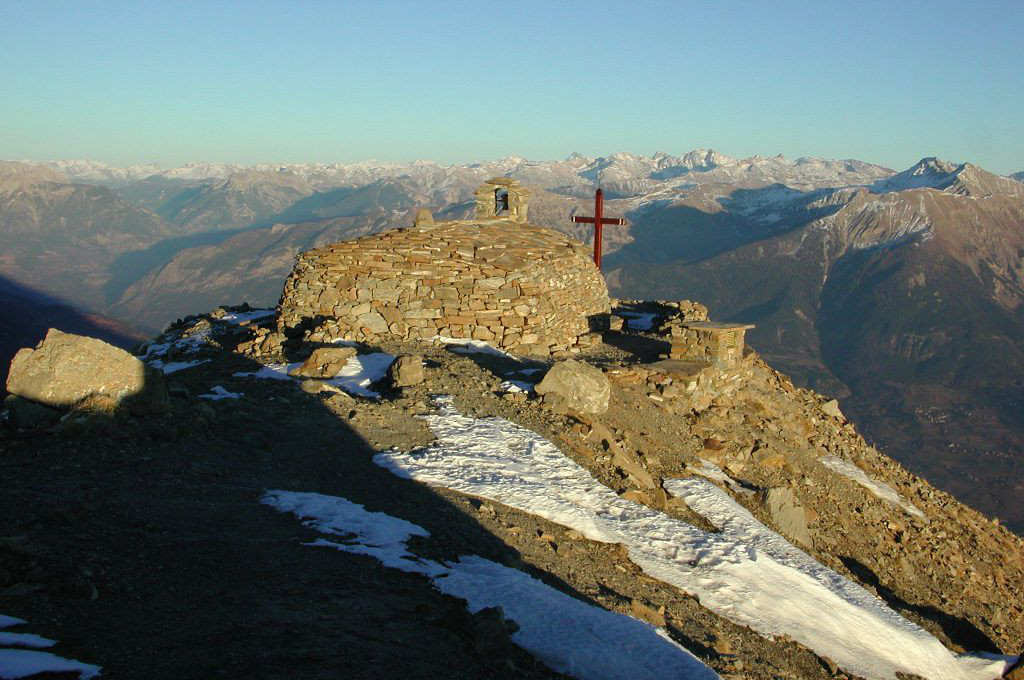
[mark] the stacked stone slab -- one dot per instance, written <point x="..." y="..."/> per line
<point x="515" y="285"/>
<point x="488" y="197"/>
<point x="720" y="344"/>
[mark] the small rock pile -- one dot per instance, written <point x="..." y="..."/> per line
<point x="684" y="386"/>
<point x="681" y="311"/>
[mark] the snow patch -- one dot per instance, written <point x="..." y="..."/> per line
<point x="362" y="371"/>
<point x="567" y="635"/>
<point x="468" y="346"/>
<point x="19" y="657"/>
<point x="376" y="534"/>
<point x="515" y="387"/>
<point x="639" y="321"/>
<point x="712" y="471"/>
<point x="878" y="489"/>
<point x="745" y="572"/>
<point x="270" y="372"/>
<point x="355" y="378"/>
<point x="217" y="392"/>
<point x="25" y="640"/>
<point x="175" y="366"/>
<point x="239" y="318"/>
<point x="23" y="663"/>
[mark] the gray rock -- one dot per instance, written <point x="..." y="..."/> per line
<point x="64" y="369"/>
<point x="406" y="371"/>
<point x="582" y="387"/>
<point x="628" y="462"/>
<point x="313" y="386"/>
<point x="831" y="408"/>
<point x="424" y="218"/>
<point x="23" y="414"/>
<point x="373" y="321"/>
<point x="324" y="362"/>
<point x="788" y="515"/>
<point x="489" y="631"/>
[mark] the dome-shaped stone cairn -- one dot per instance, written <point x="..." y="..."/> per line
<point x="496" y="278"/>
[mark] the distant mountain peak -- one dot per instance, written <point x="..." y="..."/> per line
<point x="933" y="165"/>
<point x="935" y="173"/>
<point x="928" y="173"/>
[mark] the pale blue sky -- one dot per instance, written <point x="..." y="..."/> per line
<point x="888" y="82"/>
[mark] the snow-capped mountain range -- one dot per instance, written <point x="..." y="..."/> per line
<point x="622" y="171"/>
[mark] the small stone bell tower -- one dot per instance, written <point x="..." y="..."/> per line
<point x="502" y="197"/>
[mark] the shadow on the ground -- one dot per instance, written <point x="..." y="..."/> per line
<point x="960" y="631"/>
<point x="143" y="546"/>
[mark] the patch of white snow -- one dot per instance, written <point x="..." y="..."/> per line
<point x="355" y="378"/>
<point x="745" y="573"/>
<point x="878" y="489"/>
<point x="712" y="471"/>
<point x="217" y="392"/>
<point x="24" y="663"/>
<point x="639" y="321"/>
<point x="239" y="318"/>
<point x="567" y="635"/>
<point x="270" y="372"/>
<point x="175" y="366"/>
<point x="25" y="640"/>
<point x="19" y="657"/>
<point x="362" y="371"/>
<point x="376" y="534"/>
<point x="515" y="387"/>
<point x="469" y="346"/>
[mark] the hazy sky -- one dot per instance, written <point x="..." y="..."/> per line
<point x="888" y="82"/>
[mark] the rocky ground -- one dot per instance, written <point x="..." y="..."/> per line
<point x="139" y="541"/>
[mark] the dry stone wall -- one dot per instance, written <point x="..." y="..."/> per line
<point x="518" y="286"/>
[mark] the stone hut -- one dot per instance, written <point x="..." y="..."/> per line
<point x="495" y="278"/>
<point x="720" y="344"/>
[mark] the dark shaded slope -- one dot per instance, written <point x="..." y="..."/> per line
<point x="935" y="367"/>
<point x="62" y="238"/>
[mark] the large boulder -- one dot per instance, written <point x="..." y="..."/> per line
<point x="579" y="386"/>
<point x="64" y="369"/>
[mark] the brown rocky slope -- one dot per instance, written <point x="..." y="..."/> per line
<point x="140" y="543"/>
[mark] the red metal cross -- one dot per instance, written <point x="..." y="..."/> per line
<point x="598" y="220"/>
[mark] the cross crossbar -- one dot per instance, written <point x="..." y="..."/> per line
<point x="598" y="220"/>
